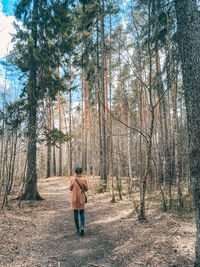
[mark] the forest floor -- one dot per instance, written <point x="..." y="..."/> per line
<point x="43" y="233"/>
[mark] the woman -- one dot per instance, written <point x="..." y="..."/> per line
<point x="78" y="185"/>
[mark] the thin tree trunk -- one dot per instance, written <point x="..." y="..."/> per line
<point x="104" y="164"/>
<point x="3" y="134"/>
<point x="167" y="129"/>
<point x="130" y="177"/>
<point x="99" y="108"/>
<point x="89" y="164"/>
<point x="106" y="86"/>
<point x="111" y="138"/>
<point x="54" y="149"/>
<point x="176" y="154"/>
<point x="70" y="120"/>
<point x="85" y="123"/>
<point x="11" y="180"/>
<point x="118" y="167"/>
<point x="60" y="129"/>
<point x="48" y="174"/>
<point x="82" y="120"/>
<point x="142" y="213"/>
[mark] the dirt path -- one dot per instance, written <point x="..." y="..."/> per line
<point x="44" y="234"/>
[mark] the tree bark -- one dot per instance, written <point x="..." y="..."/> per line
<point x="31" y="192"/>
<point x="142" y="213"/>
<point x="189" y="44"/>
<point x="48" y="140"/>
<point x="70" y="119"/>
<point x="104" y="163"/>
<point x="54" y="149"/>
<point x="110" y="109"/>
<point x="82" y="120"/>
<point x="130" y="177"/>
<point x="85" y="123"/>
<point x="176" y="152"/>
<point x="99" y="106"/>
<point x="60" y="128"/>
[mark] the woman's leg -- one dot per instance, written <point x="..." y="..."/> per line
<point x="82" y="215"/>
<point x="76" y="220"/>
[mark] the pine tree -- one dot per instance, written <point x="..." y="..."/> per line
<point x="38" y="53"/>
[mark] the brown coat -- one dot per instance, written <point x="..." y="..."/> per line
<point x="77" y="196"/>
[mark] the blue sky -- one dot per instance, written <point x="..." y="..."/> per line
<point x="6" y="25"/>
<point x="6" y="29"/>
<point x="8" y="6"/>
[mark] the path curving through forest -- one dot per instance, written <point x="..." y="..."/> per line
<point x="43" y="234"/>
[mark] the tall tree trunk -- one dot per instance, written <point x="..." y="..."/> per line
<point x="31" y="191"/>
<point x="70" y="119"/>
<point x="82" y="120"/>
<point x="85" y="123"/>
<point x="13" y="163"/>
<point x="118" y="178"/>
<point x="189" y="44"/>
<point x="48" y="174"/>
<point x="104" y="164"/>
<point x="167" y="128"/>
<point x="60" y="129"/>
<point x="99" y="108"/>
<point x="106" y="86"/>
<point x="31" y="175"/>
<point x="142" y="213"/>
<point x="2" y="148"/>
<point x="160" y="112"/>
<point x="110" y="109"/>
<point x="130" y="176"/>
<point x="3" y="135"/>
<point x="89" y="165"/>
<point x="176" y="152"/>
<point x="54" y="149"/>
<point x="163" y="123"/>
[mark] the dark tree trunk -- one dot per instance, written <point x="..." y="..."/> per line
<point x="110" y="104"/>
<point x="54" y="149"/>
<point x="104" y="164"/>
<point x="31" y="175"/>
<point x="143" y="185"/>
<point x="49" y="142"/>
<point x="48" y="160"/>
<point x="12" y="164"/>
<point x="189" y="43"/>
<point x="60" y="129"/>
<point x="70" y="119"/>
<point x="99" y="106"/>
<point x="31" y="192"/>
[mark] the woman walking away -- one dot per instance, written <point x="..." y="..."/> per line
<point x="78" y="186"/>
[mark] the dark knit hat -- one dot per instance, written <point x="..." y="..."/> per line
<point x="78" y="170"/>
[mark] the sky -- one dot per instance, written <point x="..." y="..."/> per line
<point x="8" y="6"/>
<point x="6" y="26"/>
<point x="6" y="29"/>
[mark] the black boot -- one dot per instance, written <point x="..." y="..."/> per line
<point x="82" y="231"/>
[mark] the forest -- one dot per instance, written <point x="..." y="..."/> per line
<point x="111" y="87"/>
